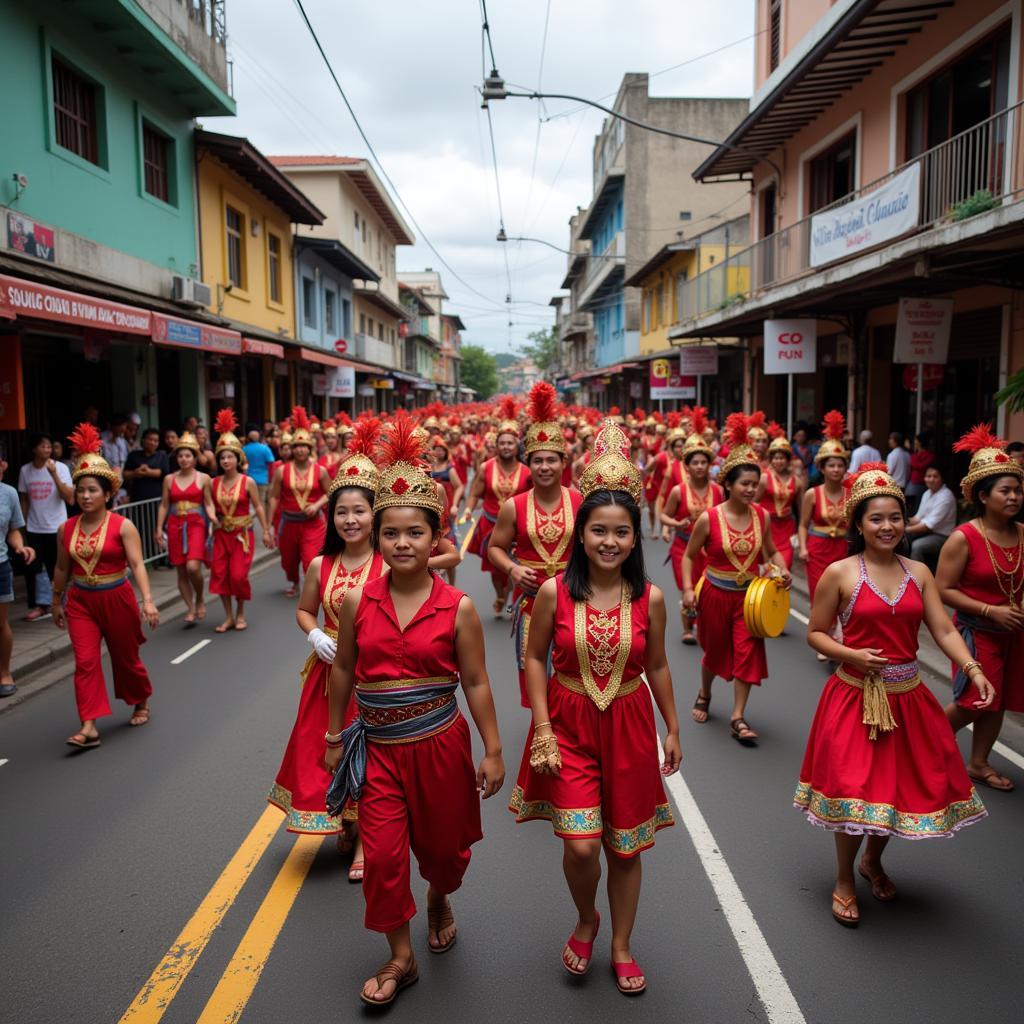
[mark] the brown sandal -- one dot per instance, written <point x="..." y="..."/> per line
<point x="875" y="882"/>
<point x="989" y="778"/>
<point x="140" y="716"/>
<point x="437" y="921"/>
<point x="392" y="971"/>
<point x="741" y="731"/>
<point x="846" y="902"/>
<point x="703" y="704"/>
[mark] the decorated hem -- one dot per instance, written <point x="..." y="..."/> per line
<point x="316" y="823"/>
<point x="858" y="817"/>
<point x="588" y="823"/>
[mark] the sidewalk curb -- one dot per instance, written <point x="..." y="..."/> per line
<point x="57" y="664"/>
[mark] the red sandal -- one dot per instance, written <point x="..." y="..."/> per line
<point x="623" y="972"/>
<point x="583" y="950"/>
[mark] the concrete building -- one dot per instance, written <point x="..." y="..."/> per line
<point x="421" y="348"/>
<point x="444" y="329"/>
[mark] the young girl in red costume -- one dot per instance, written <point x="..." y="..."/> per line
<point x="237" y="500"/>
<point x="692" y="495"/>
<point x="591" y="764"/>
<point x="881" y="760"/>
<point x="780" y="493"/>
<point x="736" y="540"/>
<point x="347" y="561"/>
<point x="182" y="525"/>
<point x="981" y="576"/>
<point x="95" y="550"/>
<point x="406" y="641"/>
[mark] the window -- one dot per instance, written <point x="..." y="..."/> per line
<point x="774" y="34"/>
<point x="661" y="315"/>
<point x="156" y="162"/>
<point x="362" y="323"/>
<point x="75" y="112"/>
<point x="648" y="312"/>
<point x="329" y="308"/>
<point x="308" y="301"/>
<point x="234" y="229"/>
<point x="274" y="267"/>
<point x="832" y="172"/>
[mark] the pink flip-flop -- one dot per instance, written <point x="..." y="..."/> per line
<point x="584" y="950"/>
<point x="623" y="972"/>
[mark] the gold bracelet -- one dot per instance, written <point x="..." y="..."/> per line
<point x="985" y="609"/>
<point x="970" y="666"/>
<point x="540" y="725"/>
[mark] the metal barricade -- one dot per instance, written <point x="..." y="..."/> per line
<point x="143" y="515"/>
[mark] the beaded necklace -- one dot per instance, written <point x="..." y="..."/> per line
<point x="1013" y="588"/>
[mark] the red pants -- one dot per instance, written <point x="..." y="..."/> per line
<point x="110" y="615"/>
<point x="1001" y="656"/>
<point x="420" y="796"/>
<point x="300" y="541"/>
<point x="783" y="531"/>
<point x="229" y="571"/>
<point x="729" y="649"/>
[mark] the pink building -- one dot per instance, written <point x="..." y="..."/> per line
<point x="883" y="149"/>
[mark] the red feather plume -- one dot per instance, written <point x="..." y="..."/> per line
<point x="834" y="427"/>
<point x="639" y="414"/>
<point x="614" y="411"/>
<point x="699" y="419"/>
<point x="756" y="419"/>
<point x="507" y="408"/>
<point x="300" y="418"/>
<point x="981" y="436"/>
<point x="775" y="429"/>
<point x="736" y="426"/>
<point x="226" y="422"/>
<point x="400" y="443"/>
<point x="592" y="416"/>
<point x="344" y="420"/>
<point x="365" y="437"/>
<point x="85" y="439"/>
<point x="657" y="417"/>
<point x="543" y="398"/>
<point x="673" y="420"/>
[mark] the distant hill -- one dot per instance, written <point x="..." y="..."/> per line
<point x="505" y="359"/>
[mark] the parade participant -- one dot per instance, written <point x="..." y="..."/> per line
<point x="95" y="550"/>
<point x="488" y="450"/>
<point x="532" y="539"/>
<point x="780" y="493"/>
<point x="650" y="445"/>
<point x="186" y="509"/>
<point x="657" y="467"/>
<point x="736" y="539"/>
<point x="880" y="761"/>
<point x="443" y="471"/>
<point x="333" y="452"/>
<point x="499" y="479"/>
<point x="981" y="577"/>
<point x="590" y="765"/>
<point x="693" y="495"/>
<point x="406" y="641"/>
<point x="299" y="489"/>
<point x="348" y="560"/>
<point x="11" y="542"/>
<point x="236" y="499"/>
<point x="757" y="434"/>
<point x="586" y="444"/>
<point x="675" y="472"/>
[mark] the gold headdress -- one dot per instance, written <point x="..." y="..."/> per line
<point x="740" y="452"/>
<point x="544" y="433"/>
<point x="508" y="424"/>
<point x="832" y="447"/>
<point x="872" y="481"/>
<point x="779" y="442"/>
<point x="611" y="469"/>
<point x="357" y="468"/>
<point x="85" y="440"/>
<point x="988" y="458"/>
<point x="187" y="440"/>
<point x="300" y="427"/>
<point x="695" y="443"/>
<point x="756" y="430"/>
<point x="403" y="481"/>
<point x="225" y="426"/>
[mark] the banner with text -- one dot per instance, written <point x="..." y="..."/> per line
<point x="790" y="346"/>
<point x="668" y="384"/>
<point x="343" y="384"/>
<point x="699" y="361"/>
<point x="923" y="327"/>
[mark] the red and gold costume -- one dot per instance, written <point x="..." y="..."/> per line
<point x="499" y="486"/>
<point x="101" y="606"/>
<point x="881" y="758"/>
<point x="661" y="464"/>
<point x="301" y="536"/>
<point x="186" y="524"/>
<point x="233" y="540"/>
<point x="826" y="535"/>
<point x="779" y="501"/>
<point x="691" y="505"/>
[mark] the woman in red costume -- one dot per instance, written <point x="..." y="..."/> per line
<point x="758" y="437"/>
<point x="591" y="763"/>
<point x="736" y="540"/>
<point x="443" y="472"/>
<point x="346" y="562"/>
<point x="333" y="452"/>
<point x="182" y="525"/>
<point x="694" y="494"/>
<point x="236" y="500"/>
<point x="780" y="493"/>
<point x="880" y="760"/>
<point x="658" y="467"/>
<point x="299" y="492"/>
<point x="95" y="550"/>
<point x="981" y="577"/>
<point x="406" y="641"/>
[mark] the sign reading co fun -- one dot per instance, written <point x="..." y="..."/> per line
<point x="790" y="346"/>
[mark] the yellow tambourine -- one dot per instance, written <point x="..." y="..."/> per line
<point x="766" y="607"/>
<point x="697" y="589"/>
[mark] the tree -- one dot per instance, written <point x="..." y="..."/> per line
<point x="1012" y="396"/>
<point x="479" y="371"/>
<point x="543" y="349"/>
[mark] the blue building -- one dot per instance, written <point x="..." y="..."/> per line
<point x="324" y="270"/>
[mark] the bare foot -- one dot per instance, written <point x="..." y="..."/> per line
<point x="201" y="611"/>
<point x="377" y="992"/>
<point x="227" y="624"/>
<point x="882" y="886"/>
<point x="289" y="591"/>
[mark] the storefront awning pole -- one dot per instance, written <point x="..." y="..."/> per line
<point x="789" y="407"/>
<point x="920" y="398"/>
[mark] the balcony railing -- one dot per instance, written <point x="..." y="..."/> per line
<point x="373" y="350"/>
<point x="576" y="322"/>
<point x="602" y="263"/>
<point x="976" y="170"/>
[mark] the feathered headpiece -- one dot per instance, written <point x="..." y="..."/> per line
<point x="756" y="426"/>
<point x="344" y="422"/>
<point x="358" y="467"/>
<point x="737" y="432"/>
<point x="87" y="444"/>
<point x="300" y="427"/>
<point x="695" y="442"/>
<point x="507" y="423"/>
<point x="611" y="468"/>
<point x="872" y="480"/>
<point x="780" y="442"/>
<point x="225" y="425"/>
<point x="403" y="480"/>
<point x="988" y="458"/>
<point x="544" y="433"/>
<point x="737" y="425"/>
<point x="834" y="429"/>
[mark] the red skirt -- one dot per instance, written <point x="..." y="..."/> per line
<point x="821" y="553"/>
<point x="229" y="570"/>
<point x="675" y="554"/>
<point x="729" y="649"/>
<point x="610" y="784"/>
<point x="910" y="782"/>
<point x="478" y="546"/>
<point x="1001" y="656"/>
<point x="783" y="531"/>
<point x="192" y="527"/>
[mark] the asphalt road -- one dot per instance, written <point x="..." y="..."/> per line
<point x="108" y="854"/>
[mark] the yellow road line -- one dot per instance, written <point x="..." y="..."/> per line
<point x="239" y="979"/>
<point x="468" y="537"/>
<point x="156" y="994"/>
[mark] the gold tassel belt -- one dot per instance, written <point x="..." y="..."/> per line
<point x="877" y="712"/>
<point x="182" y="508"/>
<point x="242" y="524"/>
<point x="576" y="685"/>
<point x="552" y="567"/>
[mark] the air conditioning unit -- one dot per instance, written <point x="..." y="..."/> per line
<point x="190" y="292"/>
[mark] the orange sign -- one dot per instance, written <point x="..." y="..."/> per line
<point x="12" y="389"/>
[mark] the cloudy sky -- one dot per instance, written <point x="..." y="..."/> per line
<point x="410" y="70"/>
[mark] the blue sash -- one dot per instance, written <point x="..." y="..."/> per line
<point x="968" y="625"/>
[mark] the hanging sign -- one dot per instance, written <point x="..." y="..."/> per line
<point x="931" y="376"/>
<point x="790" y="346"/>
<point x="923" y="327"/>
<point x="667" y="383"/>
<point x="343" y="382"/>
<point x="699" y="361"/>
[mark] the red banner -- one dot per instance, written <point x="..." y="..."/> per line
<point x="40" y="301"/>
<point x="258" y="347"/>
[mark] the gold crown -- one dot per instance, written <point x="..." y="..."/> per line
<point x="872" y="483"/>
<point x="188" y="440"/>
<point x="403" y="484"/>
<point x="610" y="469"/>
<point x="988" y="462"/>
<point x="695" y="444"/>
<point x="286" y="438"/>
<point x="229" y="442"/>
<point x="508" y="427"/>
<point x="780" y="444"/>
<point x="831" y="450"/>
<point x="675" y="434"/>
<point x="302" y="436"/>
<point x="356" y="470"/>
<point x="93" y="464"/>
<point x="545" y="437"/>
<point x="757" y="433"/>
<point x="330" y="430"/>
<point x="739" y="455"/>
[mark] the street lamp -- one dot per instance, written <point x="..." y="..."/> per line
<point x="494" y="89"/>
<point x="502" y="237"/>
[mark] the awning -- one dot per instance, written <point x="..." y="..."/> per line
<point x="425" y="385"/>
<point x="407" y="377"/>
<point x="19" y="297"/>
<point x="178" y="333"/>
<point x="383" y="302"/>
<point x="605" y="371"/>
<point x="258" y="347"/>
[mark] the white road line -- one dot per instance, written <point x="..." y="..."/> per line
<point x="799" y="616"/>
<point x="1004" y="751"/>
<point x="188" y="654"/>
<point x="772" y="988"/>
<point x="3" y="761"/>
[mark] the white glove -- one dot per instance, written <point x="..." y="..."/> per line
<point x="325" y="647"/>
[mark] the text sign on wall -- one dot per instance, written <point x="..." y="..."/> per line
<point x="668" y="384"/>
<point x="343" y="383"/>
<point x="31" y="238"/>
<point x="26" y="298"/>
<point x="699" y="361"/>
<point x="790" y="346"/>
<point x="923" y="327"/>
<point x="888" y="212"/>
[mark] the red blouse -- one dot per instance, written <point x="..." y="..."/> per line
<point x="499" y="487"/>
<point x="100" y="553"/>
<point x="300" y="489"/>
<point x="979" y="579"/>
<point x="543" y="537"/>
<point x="234" y="504"/>
<point x="336" y="581"/>
<point x="735" y="551"/>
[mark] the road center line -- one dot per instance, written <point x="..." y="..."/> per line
<point x="1004" y="751"/>
<point x="3" y="761"/>
<point x="240" y="977"/>
<point x="188" y="654"/>
<point x="156" y="994"/>
<point x="799" y="616"/>
<point x="772" y="988"/>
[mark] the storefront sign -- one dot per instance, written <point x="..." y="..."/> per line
<point x="12" y="390"/>
<point x="169" y="330"/>
<point x="384" y="384"/>
<point x="29" y="237"/>
<point x="26" y="298"/>
<point x="343" y="383"/>
<point x="667" y="384"/>
<point x="321" y="384"/>
<point x="922" y="331"/>
<point x="931" y="376"/>
<point x="258" y="347"/>
<point x="790" y="346"/>
<point x="365" y="390"/>
<point x="699" y="361"/>
<point x="886" y="213"/>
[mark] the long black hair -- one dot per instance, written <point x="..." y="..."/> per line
<point x="577" y="572"/>
<point x="857" y="545"/>
<point x="334" y="543"/>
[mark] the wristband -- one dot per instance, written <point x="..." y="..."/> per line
<point x="970" y="666"/>
<point x="333" y="737"/>
<point x="985" y="609"/>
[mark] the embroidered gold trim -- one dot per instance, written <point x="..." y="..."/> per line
<point x="553" y="562"/>
<point x="300" y="491"/>
<point x="732" y="549"/>
<point x="836" y="525"/>
<point x="403" y="684"/>
<point x="581" y="622"/>
<point x="781" y="501"/>
<point x="87" y="549"/>
<point x="504" y="485"/>
<point x="227" y="501"/>
<point x="576" y="685"/>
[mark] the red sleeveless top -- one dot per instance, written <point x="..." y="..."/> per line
<point x="979" y="578"/>
<point x="300" y="489"/>
<point x="542" y="538"/>
<point x="779" y="495"/>
<point x="691" y="504"/>
<point x="96" y="554"/>
<point x="193" y="493"/>
<point x="735" y="551"/>
<point x="234" y="503"/>
<point x="330" y="461"/>
<point x="828" y="516"/>
<point x="336" y="581"/>
<point x="870" y="619"/>
<point x="499" y="486"/>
